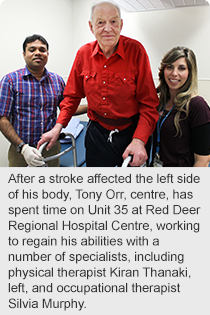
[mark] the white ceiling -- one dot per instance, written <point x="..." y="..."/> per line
<point x="147" y="5"/>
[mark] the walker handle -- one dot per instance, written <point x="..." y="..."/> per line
<point x="71" y="147"/>
<point x="128" y="160"/>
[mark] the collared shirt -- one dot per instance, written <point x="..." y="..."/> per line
<point x="118" y="87"/>
<point x="30" y="104"/>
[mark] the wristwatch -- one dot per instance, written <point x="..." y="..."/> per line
<point x="19" y="147"/>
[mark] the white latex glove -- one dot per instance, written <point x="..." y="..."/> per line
<point x="32" y="156"/>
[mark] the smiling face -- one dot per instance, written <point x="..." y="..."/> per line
<point x="106" y="25"/>
<point x="36" y="56"/>
<point x="176" y="74"/>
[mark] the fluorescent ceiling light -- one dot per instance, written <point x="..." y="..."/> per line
<point x="147" y="5"/>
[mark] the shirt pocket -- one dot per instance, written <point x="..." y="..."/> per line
<point x="52" y="96"/>
<point x="90" y="83"/>
<point x="124" y="85"/>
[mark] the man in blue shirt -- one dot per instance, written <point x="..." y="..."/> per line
<point x="29" y="99"/>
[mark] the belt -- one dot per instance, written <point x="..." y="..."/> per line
<point x="127" y="130"/>
<point x="118" y="121"/>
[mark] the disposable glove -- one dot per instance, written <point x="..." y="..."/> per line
<point x="32" y="156"/>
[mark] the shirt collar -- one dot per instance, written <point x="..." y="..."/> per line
<point x="26" y="72"/>
<point x="120" y="48"/>
<point x="119" y="51"/>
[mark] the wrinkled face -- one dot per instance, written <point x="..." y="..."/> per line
<point x="36" y="55"/>
<point x="176" y="75"/>
<point x="106" y="25"/>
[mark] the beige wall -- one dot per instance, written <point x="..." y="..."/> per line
<point x="64" y="23"/>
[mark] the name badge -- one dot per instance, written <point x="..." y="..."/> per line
<point x="157" y="162"/>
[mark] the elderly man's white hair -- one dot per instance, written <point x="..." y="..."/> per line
<point x="104" y="2"/>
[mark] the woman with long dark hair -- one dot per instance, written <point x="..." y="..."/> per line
<point x="182" y="135"/>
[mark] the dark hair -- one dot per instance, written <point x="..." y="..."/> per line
<point x="187" y="91"/>
<point x="33" y="38"/>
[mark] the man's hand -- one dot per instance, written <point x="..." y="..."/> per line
<point x="137" y="150"/>
<point x="50" y="137"/>
<point x="32" y="156"/>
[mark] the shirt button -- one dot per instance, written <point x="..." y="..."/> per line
<point x="124" y="79"/>
<point x="104" y="98"/>
<point x="104" y="82"/>
<point x="104" y="114"/>
<point x="105" y="66"/>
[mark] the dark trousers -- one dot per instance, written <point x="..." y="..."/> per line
<point x="105" y="149"/>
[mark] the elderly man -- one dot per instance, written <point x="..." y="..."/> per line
<point x="114" y="74"/>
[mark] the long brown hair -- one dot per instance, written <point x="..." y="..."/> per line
<point x="187" y="91"/>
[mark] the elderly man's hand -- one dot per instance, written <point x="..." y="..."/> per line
<point x="50" y="137"/>
<point x="137" y="150"/>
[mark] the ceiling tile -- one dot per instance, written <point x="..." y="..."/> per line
<point x="146" y="5"/>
